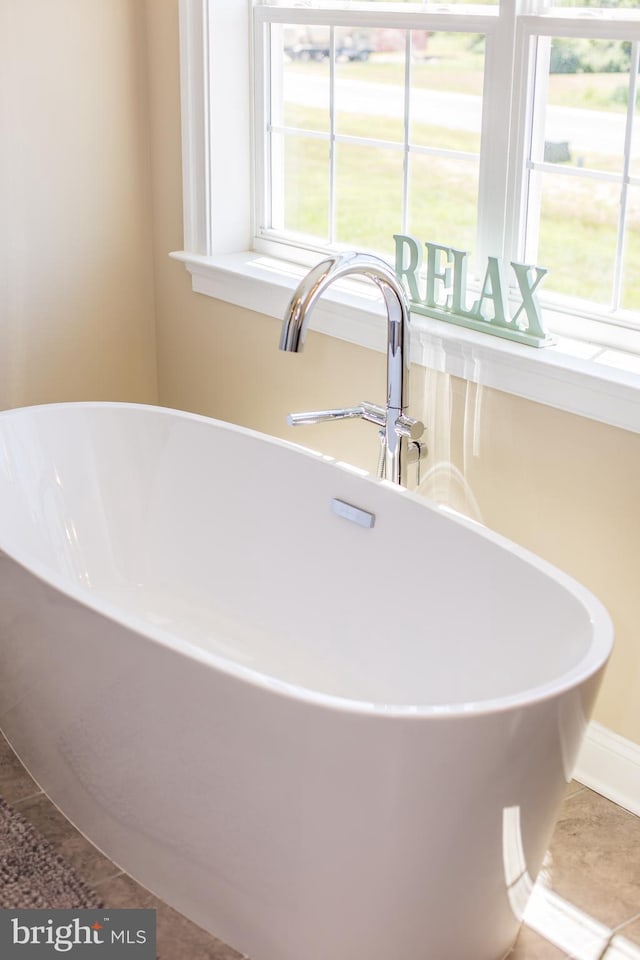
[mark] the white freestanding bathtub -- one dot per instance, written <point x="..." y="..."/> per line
<point x="320" y="740"/>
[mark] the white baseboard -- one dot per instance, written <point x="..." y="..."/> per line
<point x="610" y="765"/>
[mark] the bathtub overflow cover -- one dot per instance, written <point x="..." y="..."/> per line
<point x="362" y="517"/>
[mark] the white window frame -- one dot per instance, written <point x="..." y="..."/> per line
<point x="595" y="375"/>
<point x="566" y="26"/>
<point x="493" y="164"/>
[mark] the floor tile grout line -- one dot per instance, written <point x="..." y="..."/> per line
<point x="31" y="796"/>
<point x="615" y="931"/>
<point x="574" y="793"/>
<point x="626" y="923"/>
<point x="119" y="873"/>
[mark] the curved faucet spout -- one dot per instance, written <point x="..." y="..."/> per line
<point x="294" y="328"/>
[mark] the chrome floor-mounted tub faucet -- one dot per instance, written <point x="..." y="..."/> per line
<point x="396" y="427"/>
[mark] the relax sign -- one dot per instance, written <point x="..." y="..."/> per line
<point x="444" y="293"/>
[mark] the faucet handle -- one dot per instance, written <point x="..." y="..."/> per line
<point x="322" y="416"/>
<point x="374" y="413"/>
<point x="408" y="427"/>
<point x="405" y="426"/>
<point x="365" y="410"/>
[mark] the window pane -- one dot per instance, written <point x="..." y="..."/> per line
<point x="363" y="205"/>
<point x="370" y="79"/>
<point x="578" y="234"/>
<point x="443" y="201"/>
<point x="634" y="165"/>
<point x="368" y="196"/>
<point x="601" y="5"/>
<point x="302" y="99"/>
<point x="301" y="191"/>
<point x="580" y="131"/>
<point x="447" y="71"/>
<point x="586" y="105"/>
<point x="631" y="275"/>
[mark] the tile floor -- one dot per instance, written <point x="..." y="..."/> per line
<point x="585" y="906"/>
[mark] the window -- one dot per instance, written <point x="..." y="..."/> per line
<point x="508" y="135"/>
<point x="581" y="162"/>
<point x="370" y="132"/>
<point x="503" y="131"/>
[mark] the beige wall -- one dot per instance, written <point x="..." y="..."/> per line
<point x="76" y="277"/>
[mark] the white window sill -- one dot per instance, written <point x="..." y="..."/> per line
<point x="582" y="377"/>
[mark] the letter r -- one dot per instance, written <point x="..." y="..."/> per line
<point x="408" y="248"/>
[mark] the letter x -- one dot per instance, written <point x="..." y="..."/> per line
<point x="528" y="304"/>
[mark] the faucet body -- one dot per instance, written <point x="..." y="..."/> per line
<point x="395" y="425"/>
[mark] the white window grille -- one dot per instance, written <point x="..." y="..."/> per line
<point x="363" y="129"/>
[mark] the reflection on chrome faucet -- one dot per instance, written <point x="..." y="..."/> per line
<point x="396" y="428"/>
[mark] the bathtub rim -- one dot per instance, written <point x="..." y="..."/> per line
<point x="594" y="659"/>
